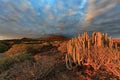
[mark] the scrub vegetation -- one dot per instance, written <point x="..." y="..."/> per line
<point x="84" y="57"/>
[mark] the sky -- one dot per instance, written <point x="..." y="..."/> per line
<point x="37" y="18"/>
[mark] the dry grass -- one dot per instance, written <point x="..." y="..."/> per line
<point x="97" y="51"/>
<point x="29" y="70"/>
<point x="17" y="48"/>
<point x="8" y="61"/>
<point x="28" y="48"/>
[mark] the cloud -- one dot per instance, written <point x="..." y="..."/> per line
<point x="103" y="15"/>
<point x="97" y="8"/>
<point x="36" y="18"/>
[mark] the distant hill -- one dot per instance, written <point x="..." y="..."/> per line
<point x="26" y="39"/>
<point x="54" y="37"/>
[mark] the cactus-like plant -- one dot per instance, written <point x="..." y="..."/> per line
<point x="94" y="51"/>
<point x="110" y="42"/>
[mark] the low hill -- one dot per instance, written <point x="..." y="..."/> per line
<point x="54" y="37"/>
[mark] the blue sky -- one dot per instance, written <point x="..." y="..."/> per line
<point x="36" y="18"/>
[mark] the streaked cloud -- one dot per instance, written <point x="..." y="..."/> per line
<point x="36" y="18"/>
<point x="97" y="8"/>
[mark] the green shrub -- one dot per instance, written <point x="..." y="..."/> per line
<point x="3" y="47"/>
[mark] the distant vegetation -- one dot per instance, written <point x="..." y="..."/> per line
<point x="3" y="46"/>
